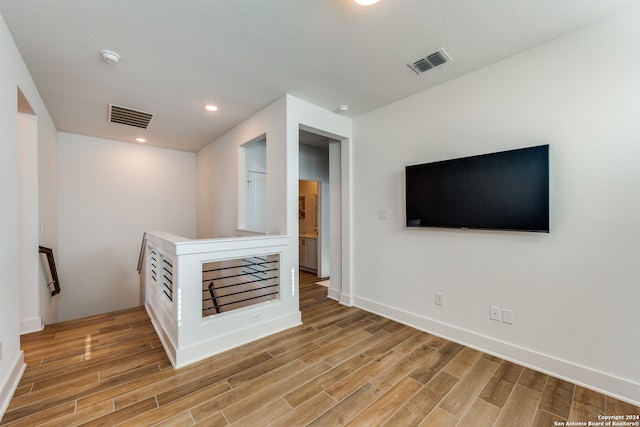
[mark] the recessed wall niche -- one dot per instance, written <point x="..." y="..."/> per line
<point x="252" y="191"/>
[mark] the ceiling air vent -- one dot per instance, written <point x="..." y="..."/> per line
<point x="129" y="116"/>
<point x="431" y="61"/>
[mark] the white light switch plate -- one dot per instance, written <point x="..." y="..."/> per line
<point x="507" y="316"/>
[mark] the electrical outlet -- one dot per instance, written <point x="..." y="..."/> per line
<point x="383" y="213"/>
<point x="494" y="314"/>
<point x="439" y="298"/>
<point x="507" y="316"/>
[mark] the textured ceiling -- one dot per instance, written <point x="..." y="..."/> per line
<point x="244" y="54"/>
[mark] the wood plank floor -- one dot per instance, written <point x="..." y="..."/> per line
<point x="344" y="366"/>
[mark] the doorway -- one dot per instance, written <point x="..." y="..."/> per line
<point x="315" y="194"/>
<point x="31" y="319"/>
<point x="332" y="157"/>
<point x="308" y="227"/>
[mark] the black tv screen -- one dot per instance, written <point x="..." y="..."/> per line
<point x="508" y="190"/>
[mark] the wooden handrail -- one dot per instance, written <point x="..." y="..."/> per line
<point x="52" y="268"/>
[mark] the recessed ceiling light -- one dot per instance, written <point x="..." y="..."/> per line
<point x="210" y="107"/>
<point x="141" y="140"/>
<point x="366" y="2"/>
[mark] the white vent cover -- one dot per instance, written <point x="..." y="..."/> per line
<point x="129" y="116"/>
<point x="430" y="61"/>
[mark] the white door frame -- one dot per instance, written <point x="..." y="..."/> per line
<point x="340" y="217"/>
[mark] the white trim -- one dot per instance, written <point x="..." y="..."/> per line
<point x="199" y="351"/>
<point x="346" y="300"/>
<point x="346" y="205"/>
<point x="334" y="294"/>
<point x="28" y="326"/>
<point x="7" y="390"/>
<point x="166" y="341"/>
<point x="600" y="382"/>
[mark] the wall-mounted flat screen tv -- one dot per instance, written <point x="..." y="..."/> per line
<point x="508" y="190"/>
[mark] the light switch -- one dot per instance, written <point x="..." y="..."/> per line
<point x="507" y="316"/>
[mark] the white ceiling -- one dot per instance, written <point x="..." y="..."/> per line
<point x="244" y="54"/>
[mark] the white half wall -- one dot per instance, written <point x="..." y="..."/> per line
<point x="574" y="292"/>
<point x="110" y="192"/>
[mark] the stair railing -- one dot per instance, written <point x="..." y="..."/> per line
<point x="52" y="269"/>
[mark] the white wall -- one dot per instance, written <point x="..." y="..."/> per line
<point x="217" y="210"/>
<point x="574" y="292"/>
<point x="38" y="200"/>
<point x="14" y="75"/>
<point x="256" y="156"/>
<point x="110" y="192"/>
<point x="9" y="307"/>
<point x="47" y="210"/>
<point x="30" y="319"/>
<point x="281" y="121"/>
<point x="218" y="166"/>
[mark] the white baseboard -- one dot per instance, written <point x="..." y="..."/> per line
<point x="28" y="326"/>
<point x="181" y="357"/>
<point x="204" y="349"/>
<point x="7" y="390"/>
<point x="333" y="294"/>
<point x="343" y="299"/>
<point x="601" y="382"/>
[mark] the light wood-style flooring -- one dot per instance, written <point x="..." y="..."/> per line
<point x="344" y="366"/>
